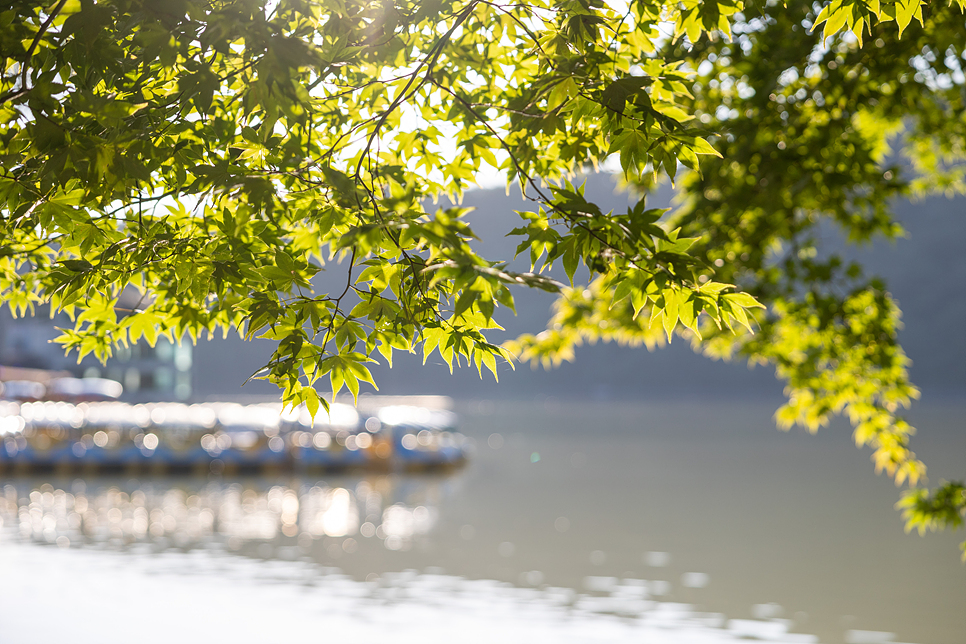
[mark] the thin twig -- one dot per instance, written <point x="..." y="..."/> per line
<point x="30" y="52"/>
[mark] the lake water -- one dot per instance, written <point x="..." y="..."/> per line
<point x="573" y="522"/>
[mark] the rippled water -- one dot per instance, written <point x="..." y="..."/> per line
<point x="582" y="523"/>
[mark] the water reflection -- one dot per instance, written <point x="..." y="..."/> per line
<point x="195" y="512"/>
<point x="282" y="519"/>
<point x="189" y="588"/>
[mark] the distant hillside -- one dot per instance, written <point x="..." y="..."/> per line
<point x="926" y="273"/>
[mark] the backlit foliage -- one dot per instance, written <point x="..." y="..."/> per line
<point x="214" y="156"/>
<point x="814" y="132"/>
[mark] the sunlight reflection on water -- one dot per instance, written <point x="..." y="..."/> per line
<point x="196" y="511"/>
<point x="205" y="595"/>
<point x="177" y="538"/>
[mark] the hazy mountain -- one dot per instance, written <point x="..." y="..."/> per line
<point x="926" y="272"/>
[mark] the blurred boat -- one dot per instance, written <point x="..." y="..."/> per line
<point x="422" y="438"/>
<point x="332" y="440"/>
<point x="160" y="437"/>
<point x="246" y="437"/>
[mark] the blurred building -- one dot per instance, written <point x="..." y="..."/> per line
<point x="159" y="373"/>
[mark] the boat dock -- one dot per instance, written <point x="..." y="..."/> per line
<point x="395" y="434"/>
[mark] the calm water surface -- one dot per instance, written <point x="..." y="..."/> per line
<point x="595" y="522"/>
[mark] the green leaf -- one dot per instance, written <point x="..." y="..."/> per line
<point x="743" y="300"/>
<point x="311" y="399"/>
<point x="906" y="10"/>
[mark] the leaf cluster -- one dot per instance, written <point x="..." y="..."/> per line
<point x="816" y="130"/>
<point x="188" y="167"/>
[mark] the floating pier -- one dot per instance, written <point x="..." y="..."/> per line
<point x="226" y="437"/>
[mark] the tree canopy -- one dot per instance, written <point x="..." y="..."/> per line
<point x="216" y="155"/>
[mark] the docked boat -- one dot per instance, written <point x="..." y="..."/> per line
<point x="332" y="440"/>
<point x="421" y="438"/>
